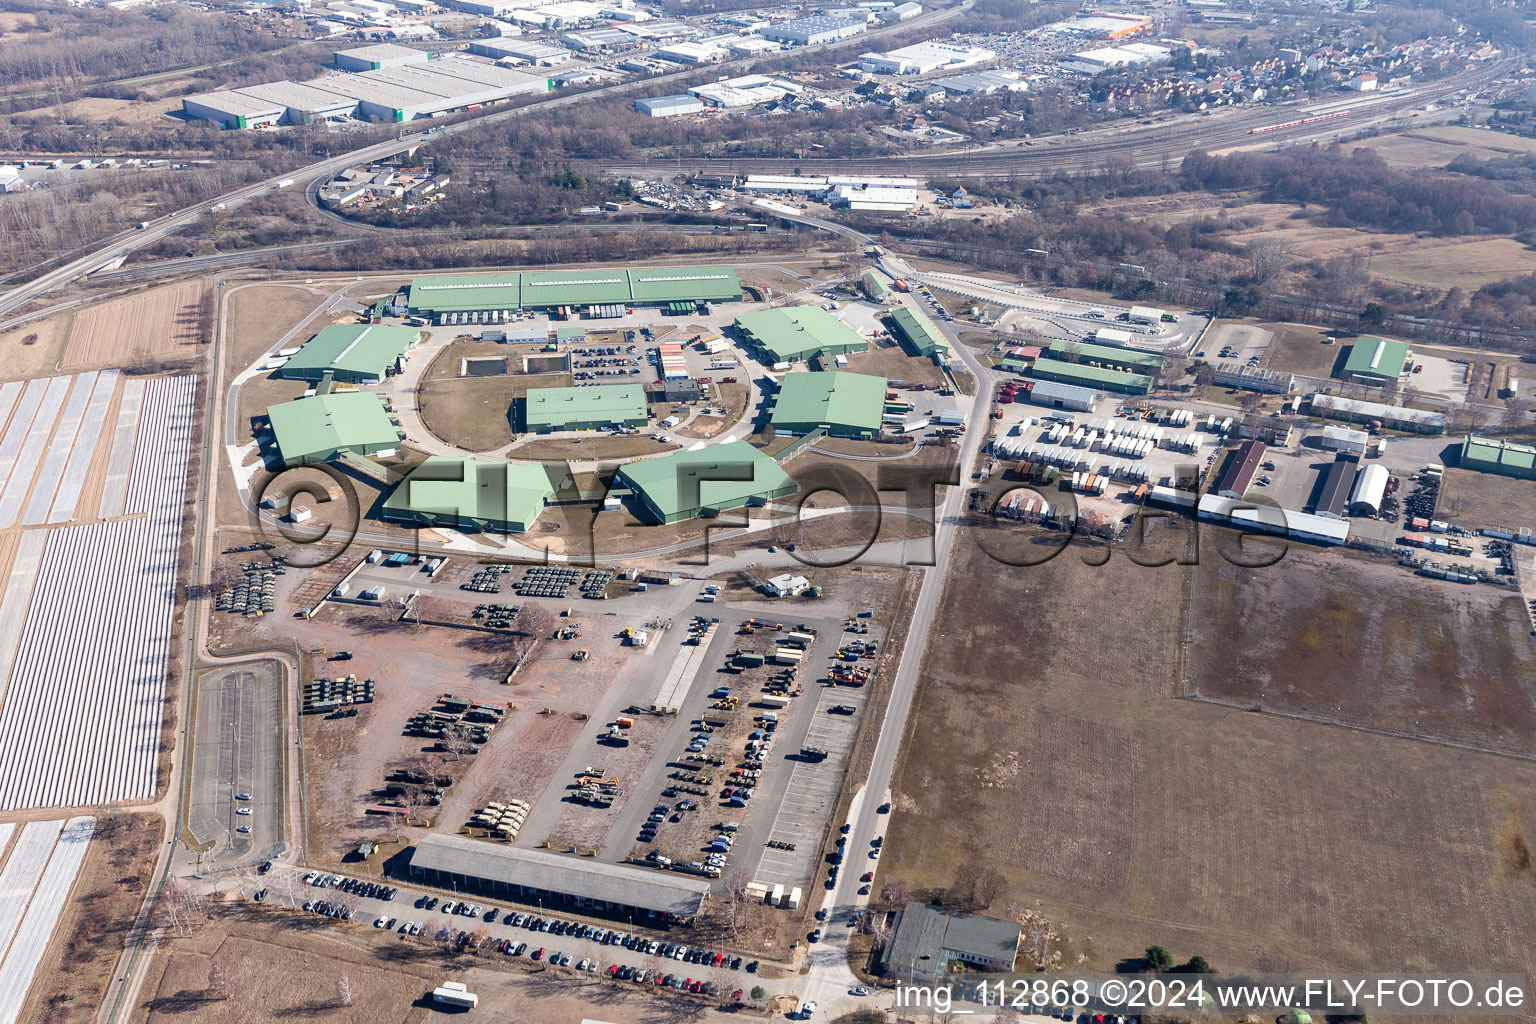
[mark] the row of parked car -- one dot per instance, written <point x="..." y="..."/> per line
<point x="355" y="886"/>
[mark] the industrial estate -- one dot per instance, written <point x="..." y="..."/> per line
<point x="599" y="512"/>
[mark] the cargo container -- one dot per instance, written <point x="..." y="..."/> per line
<point x="788" y="656"/>
<point x="746" y="659"/>
<point x="773" y="702"/>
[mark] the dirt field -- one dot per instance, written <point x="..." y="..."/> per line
<point x="95" y="923"/>
<point x="1486" y="499"/>
<point x="163" y="323"/>
<point x="471" y="412"/>
<point x="1438" y="145"/>
<point x="258" y="315"/>
<point x="1137" y="818"/>
<point x="894" y="364"/>
<point x="1298" y="348"/>
<point x="591" y="448"/>
<point x="34" y="349"/>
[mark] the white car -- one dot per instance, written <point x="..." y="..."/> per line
<point x="244" y="810"/>
<point x="381" y="922"/>
<point x="806" y="1009"/>
<point x="309" y="879"/>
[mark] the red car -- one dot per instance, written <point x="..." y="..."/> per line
<point x="868" y="876"/>
<point x="538" y="954"/>
<point x="719" y="959"/>
<point x="613" y="971"/>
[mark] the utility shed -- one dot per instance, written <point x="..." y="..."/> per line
<point x="593" y="408"/>
<point x="471" y="495"/>
<point x="1337" y="483"/>
<point x="841" y="403"/>
<point x="357" y="353"/>
<point x="1241" y="467"/>
<point x="1376" y="360"/>
<point x="320" y="427"/>
<point x="553" y="880"/>
<point x="796" y="334"/>
<point x="1489" y="455"/>
<point x="918" y="335"/>
<point x="689" y="484"/>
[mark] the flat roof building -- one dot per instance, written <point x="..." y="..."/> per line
<point x="669" y="106"/>
<point x="1490" y="455"/>
<point x="1097" y="377"/>
<point x="918" y="335"/>
<point x="522" y="51"/>
<point x="795" y="334"/>
<point x="982" y="83"/>
<point x="379" y="55"/>
<point x="814" y="29"/>
<point x="472" y="495"/>
<point x="921" y="58"/>
<point x="1063" y="396"/>
<point x="1129" y="360"/>
<point x="659" y="286"/>
<point x="1245" y="515"/>
<point x="354" y="353"/>
<point x="841" y="403"/>
<point x="551" y="880"/>
<point x="1237" y="477"/>
<point x="1353" y="410"/>
<point x="927" y="939"/>
<point x="600" y="407"/>
<point x="1376" y="360"/>
<point x="320" y="427"/>
<point x="714" y="479"/>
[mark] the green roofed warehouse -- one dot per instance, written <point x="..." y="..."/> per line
<point x="843" y="404"/>
<point x="1127" y="360"/>
<point x="689" y="484"/>
<point x="592" y="408"/>
<point x="1490" y="455"/>
<point x="320" y="427"/>
<point x="471" y="495"/>
<point x="449" y="294"/>
<point x="797" y="334"/>
<point x="1097" y="377"/>
<point x="1376" y="360"/>
<point x="917" y="334"/>
<point x="353" y="353"/>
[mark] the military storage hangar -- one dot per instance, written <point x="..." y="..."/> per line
<point x="552" y="880"/>
<point x="1490" y="455"/>
<point x="600" y="407"/>
<point x="706" y="482"/>
<point x="1375" y="361"/>
<point x="796" y="334"/>
<point x="320" y="427"/>
<point x="471" y="495"/>
<point x="449" y="297"/>
<point x="918" y="334"/>
<point x="394" y="92"/>
<point x="843" y="404"/>
<point x="354" y="353"/>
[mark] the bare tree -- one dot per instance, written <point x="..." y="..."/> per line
<point x="1267" y="258"/>
<point x="457" y="740"/>
<point x="346" y="990"/>
<point x="1516" y="409"/>
<point x="535" y="621"/>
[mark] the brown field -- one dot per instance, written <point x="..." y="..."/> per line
<point x="473" y="412"/>
<point x="161" y="323"/>
<point x="595" y="446"/>
<point x="36" y="348"/>
<point x="258" y="315"/>
<point x="1258" y="841"/>
<point x="1436" y="146"/>
<point x="94" y="926"/>
<point x="1486" y="499"/>
<point x="1464" y="264"/>
<point x="1299" y="348"/>
<point x="894" y="364"/>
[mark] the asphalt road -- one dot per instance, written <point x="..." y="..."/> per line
<point x="238" y="749"/>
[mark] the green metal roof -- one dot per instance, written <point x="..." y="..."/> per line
<point x="506" y="495"/>
<point x="555" y="408"/>
<point x="1376" y="357"/>
<point x="831" y="400"/>
<point x="719" y="476"/>
<point x="794" y="334"/>
<point x="346" y="349"/>
<point x="918" y="332"/>
<point x="1492" y="455"/>
<point x="452" y="293"/>
<point x="1087" y="352"/>
<point x="876" y="283"/>
<point x="312" y="429"/>
<point x="1074" y="373"/>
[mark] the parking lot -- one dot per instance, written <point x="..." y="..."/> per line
<point x="1237" y="343"/>
<point x="237" y="751"/>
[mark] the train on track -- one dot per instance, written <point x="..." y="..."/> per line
<point x="1297" y="124"/>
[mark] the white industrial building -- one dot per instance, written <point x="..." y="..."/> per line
<point x="982" y="83"/>
<point x="1396" y="417"/>
<point x="901" y="12"/>
<point x="520" y="51"/>
<point x="812" y="184"/>
<point x="669" y="106"/>
<point x="1247" y="515"/>
<point x="1370" y="489"/>
<point x="813" y="30"/>
<point x="787" y="585"/>
<point x="921" y="58"/>
<point x="597" y="39"/>
<point x="379" y="55"/>
<point x="753" y="46"/>
<point x="1126" y="55"/>
<point x="691" y="53"/>
<point x="745" y="91"/>
<point x="1064" y="396"/>
<point x="1343" y="439"/>
<point x="873" y="198"/>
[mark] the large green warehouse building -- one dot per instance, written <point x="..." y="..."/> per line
<point x="579" y="289"/>
<point x="1376" y="361"/>
<point x="353" y="353"/>
<point x="1099" y="378"/>
<point x="1490" y="455"/>
<point x="599" y="407"/>
<point x="689" y="484"/>
<point x="797" y="334"/>
<point x="918" y="335"/>
<point x="841" y="403"/>
<point x="320" y="427"/>
<point x="1112" y="357"/>
<point x="472" y="495"/>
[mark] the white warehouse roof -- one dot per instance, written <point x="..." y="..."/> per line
<point x="1370" y="487"/>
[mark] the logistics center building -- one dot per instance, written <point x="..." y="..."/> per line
<point x="843" y="404"/>
<point x="682" y="287"/>
<point x="320" y="427"/>
<point x="352" y="353"/>
<point x="471" y="495"/>
<point x="796" y="334"/>
<point x="600" y="407"/>
<point x="714" y="479"/>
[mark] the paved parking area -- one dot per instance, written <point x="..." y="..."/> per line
<point x="238" y="749"/>
<point x="1246" y="341"/>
